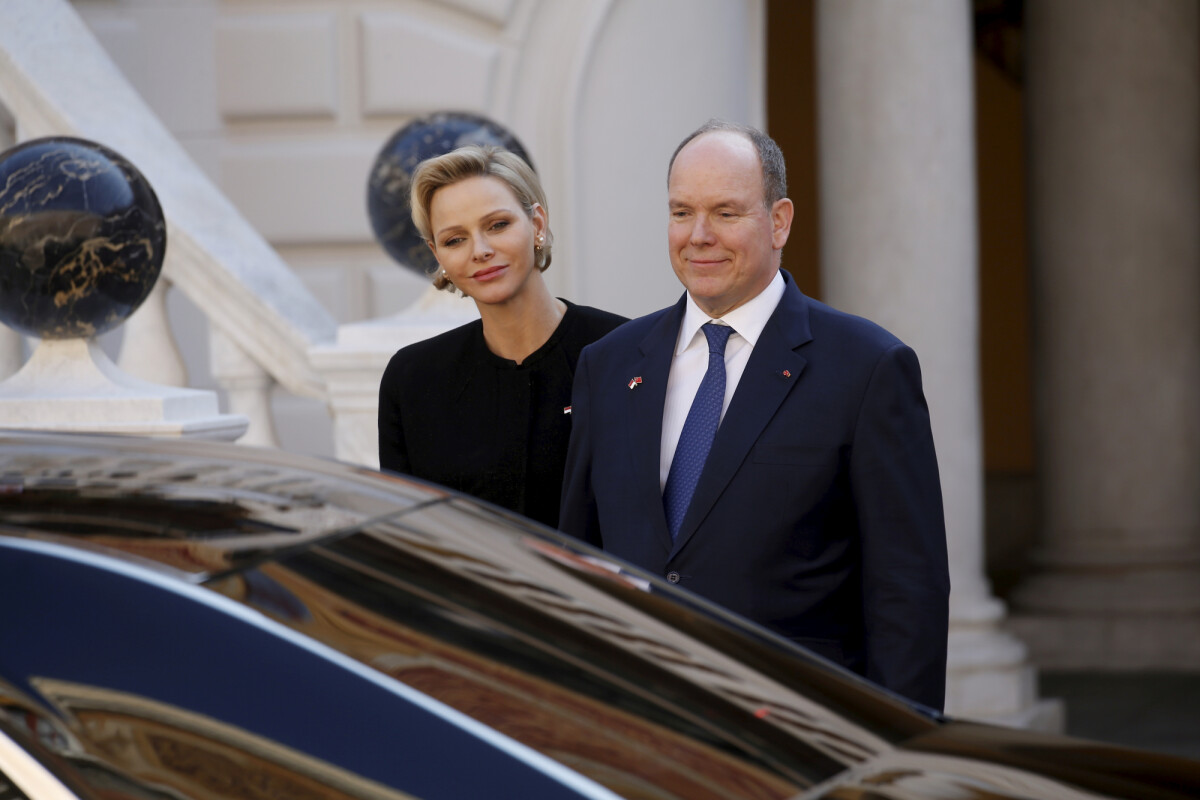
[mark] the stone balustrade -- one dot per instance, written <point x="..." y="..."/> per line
<point x="217" y="259"/>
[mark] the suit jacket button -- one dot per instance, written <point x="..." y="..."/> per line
<point x="673" y="577"/>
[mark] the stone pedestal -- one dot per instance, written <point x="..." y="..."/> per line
<point x="72" y="385"/>
<point x="899" y="246"/>
<point x="354" y="364"/>
<point x="1113" y="92"/>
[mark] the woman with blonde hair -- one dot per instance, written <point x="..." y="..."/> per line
<point x="485" y="408"/>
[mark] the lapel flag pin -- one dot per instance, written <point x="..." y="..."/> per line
<point x="566" y="409"/>
<point x="635" y="381"/>
<point x="787" y="373"/>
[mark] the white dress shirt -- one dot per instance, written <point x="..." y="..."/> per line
<point x="690" y="361"/>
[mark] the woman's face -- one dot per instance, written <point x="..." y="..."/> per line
<point x="483" y="238"/>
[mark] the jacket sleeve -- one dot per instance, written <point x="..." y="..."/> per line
<point x="578" y="515"/>
<point x="898" y="500"/>
<point x="393" y="453"/>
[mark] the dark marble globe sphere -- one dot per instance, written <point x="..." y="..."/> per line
<point x="82" y="238"/>
<point x="391" y="177"/>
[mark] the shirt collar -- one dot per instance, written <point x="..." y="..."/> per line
<point x="748" y="319"/>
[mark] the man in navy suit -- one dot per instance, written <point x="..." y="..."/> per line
<point x="817" y="510"/>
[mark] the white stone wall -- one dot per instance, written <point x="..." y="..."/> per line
<point x="285" y="105"/>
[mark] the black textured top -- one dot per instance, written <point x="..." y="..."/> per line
<point x="453" y="412"/>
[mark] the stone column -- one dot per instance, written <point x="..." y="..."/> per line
<point x="899" y="236"/>
<point x="1113" y="93"/>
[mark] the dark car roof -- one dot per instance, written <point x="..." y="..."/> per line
<point x="348" y="633"/>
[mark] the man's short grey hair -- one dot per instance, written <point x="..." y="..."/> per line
<point x="774" y="171"/>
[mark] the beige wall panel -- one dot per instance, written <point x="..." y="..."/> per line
<point x="497" y="11"/>
<point x="284" y="189"/>
<point x="392" y="288"/>
<point x="333" y="284"/>
<point x="413" y="67"/>
<point x="167" y="54"/>
<point x="277" y="65"/>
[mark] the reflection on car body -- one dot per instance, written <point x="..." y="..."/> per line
<point x="187" y="619"/>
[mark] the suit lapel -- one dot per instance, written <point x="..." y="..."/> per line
<point x="645" y="403"/>
<point x="774" y="368"/>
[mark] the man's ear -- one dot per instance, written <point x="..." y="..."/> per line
<point x="781" y="222"/>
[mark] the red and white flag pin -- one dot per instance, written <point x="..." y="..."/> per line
<point x="566" y="409"/>
<point x="633" y="383"/>
<point x="787" y="373"/>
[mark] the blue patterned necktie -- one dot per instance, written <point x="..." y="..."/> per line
<point x="698" y="430"/>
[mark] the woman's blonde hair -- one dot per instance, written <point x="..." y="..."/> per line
<point x="476" y="161"/>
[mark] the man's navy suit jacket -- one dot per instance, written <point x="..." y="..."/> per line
<point x="819" y="510"/>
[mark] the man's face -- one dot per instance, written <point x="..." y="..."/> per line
<point x="725" y="243"/>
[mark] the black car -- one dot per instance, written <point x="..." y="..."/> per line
<point x="186" y="619"/>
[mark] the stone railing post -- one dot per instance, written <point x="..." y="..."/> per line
<point x="247" y="387"/>
<point x="12" y="354"/>
<point x="148" y="349"/>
